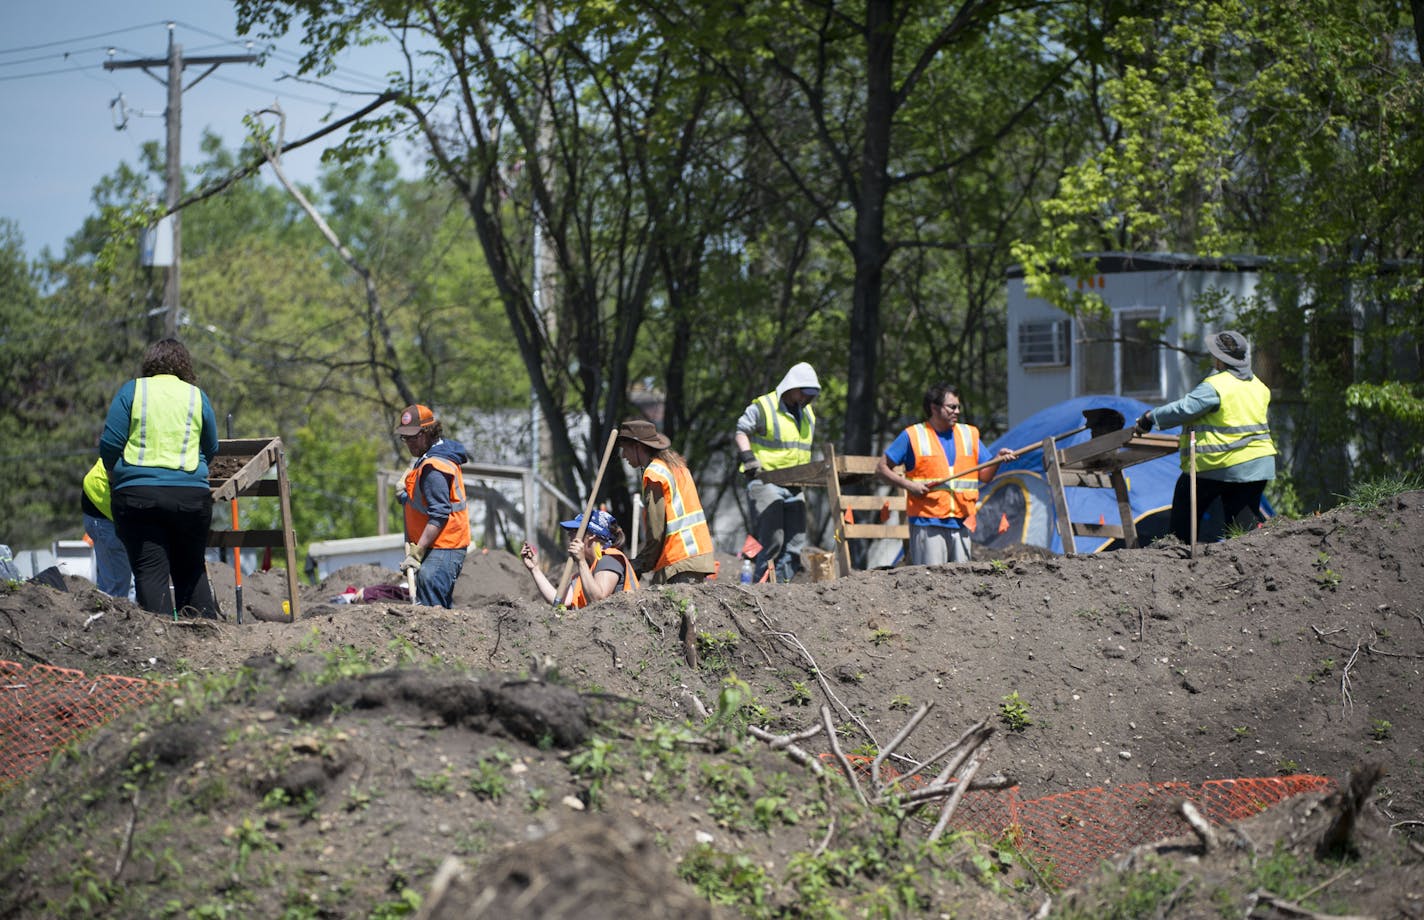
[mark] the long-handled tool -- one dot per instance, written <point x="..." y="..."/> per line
<point x="236" y="551"/>
<point x="1100" y="421"/>
<point x="587" y="511"/>
<point x="1192" y="479"/>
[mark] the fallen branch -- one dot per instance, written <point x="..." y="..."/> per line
<point x="897" y="741"/>
<point x="1206" y="834"/>
<point x="127" y="847"/>
<point x="950" y="804"/>
<point x="840" y="756"/>
<point x="651" y="622"/>
<point x="1281" y="909"/>
<point x="1346" y="696"/>
<point x="741" y="629"/>
<point x="797" y="754"/>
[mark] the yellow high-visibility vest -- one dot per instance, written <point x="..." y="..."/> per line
<point x="1236" y="430"/>
<point x="782" y="442"/>
<point x="165" y="424"/>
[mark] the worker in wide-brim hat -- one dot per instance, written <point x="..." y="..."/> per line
<point x="679" y="541"/>
<point x="1235" y="455"/>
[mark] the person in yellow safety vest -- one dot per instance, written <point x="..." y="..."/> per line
<point x="603" y="567"/>
<point x="437" y="522"/>
<point x="159" y="437"/>
<point x="940" y="503"/>
<point x="111" y="561"/>
<point x="1235" y="455"/>
<point x="775" y="432"/>
<point x="679" y="542"/>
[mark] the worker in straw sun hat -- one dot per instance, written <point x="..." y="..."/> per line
<point x="679" y="547"/>
<point x="1233" y="456"/>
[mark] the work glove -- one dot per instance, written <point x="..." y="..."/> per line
<point x="751" y="466"/>
<point x="402" y="497"/>
<point x="414" y="556"/>
<point x="1144" y="422"/>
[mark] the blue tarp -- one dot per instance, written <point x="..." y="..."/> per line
<point x="1017" y="507"/>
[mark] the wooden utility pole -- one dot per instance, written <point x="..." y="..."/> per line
<point x="173" y="122"/>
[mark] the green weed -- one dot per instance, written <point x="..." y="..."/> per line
<point x="1013" y="712"/>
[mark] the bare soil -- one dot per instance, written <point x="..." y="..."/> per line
<point x="503" y="759"/>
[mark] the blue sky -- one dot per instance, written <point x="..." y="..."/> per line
<point x="59" y="135"/>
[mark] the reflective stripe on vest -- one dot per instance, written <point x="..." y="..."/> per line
<point x="687" y="533"/>
<point x="456" y="532"/>
<point x="1235" y="431"/>
<point x="96" y="487"/>
<point x="961" y="497"/>
<point x="577" y="598"/>
<point x="781" y="441"/>
<point x="165" y="422"/>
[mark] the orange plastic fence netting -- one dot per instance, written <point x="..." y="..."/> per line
<point x="43" y="708"/>
<point x="1069" y="834"/>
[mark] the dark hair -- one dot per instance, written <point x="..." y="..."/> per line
<point x="168" y="356"/>
<point x="617" y="532"/>
<point x="935" y="395"/>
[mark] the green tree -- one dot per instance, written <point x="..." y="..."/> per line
<point x="1288" y="131"/>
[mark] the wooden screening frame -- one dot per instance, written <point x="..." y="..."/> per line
<point x="259" y="455"/>
<point x="1098" y="464"/>
<point x="831" y="474"/>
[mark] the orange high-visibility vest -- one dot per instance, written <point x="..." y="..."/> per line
<point x="687" y="533"/>
<point x="630" y="580"/>
<point x="456" y="532"/>
<point x="931" y="465"/>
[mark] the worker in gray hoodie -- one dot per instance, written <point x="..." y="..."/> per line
<point x="774" y="433"/>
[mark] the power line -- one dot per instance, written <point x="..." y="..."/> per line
<point x="82" y="38"/>
<point x="49" y="57"/>
<point x="49" y="73"/>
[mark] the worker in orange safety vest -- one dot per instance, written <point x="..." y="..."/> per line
<point x="941" y="512"/>
<point x="679" y="547"/>
<point x="437" y="522"/>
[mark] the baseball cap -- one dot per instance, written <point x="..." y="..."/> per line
<point x="413" y="419"/>
<point x="600" y="524"/>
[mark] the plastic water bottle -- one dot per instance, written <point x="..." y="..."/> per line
<point x="748" y="570"/>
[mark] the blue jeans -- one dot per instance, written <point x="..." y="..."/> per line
<point x="111" y="561"/>
<point x="780" y="528"/>
<point x="435" y="579"/>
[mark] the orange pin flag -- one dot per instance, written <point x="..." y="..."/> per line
<point x="1003" y="523"/>
<point x="849" y="516"/>
<point x="885" y="511"/>
<point x="1102" y="520"/>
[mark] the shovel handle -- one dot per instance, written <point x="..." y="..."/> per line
<point x="583" y="521"/>
<point x="983" y="466"/>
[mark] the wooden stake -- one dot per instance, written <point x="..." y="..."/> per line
<point x="1192" y="478"/>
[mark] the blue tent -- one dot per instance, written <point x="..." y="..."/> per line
<point x="1017" y="506"/>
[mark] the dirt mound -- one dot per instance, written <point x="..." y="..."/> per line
<point x="1294" y="649"/>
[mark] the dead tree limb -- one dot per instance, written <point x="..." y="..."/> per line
<point x="376" y="314"/>
<point x="840" y="756"/>
<point x="898" y="740"/>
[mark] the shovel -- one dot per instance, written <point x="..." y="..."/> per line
<point x="1099" y="421"/>
<point x="587" y="510"/>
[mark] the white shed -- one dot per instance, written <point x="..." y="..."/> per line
<point x="1053" y="357"/>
